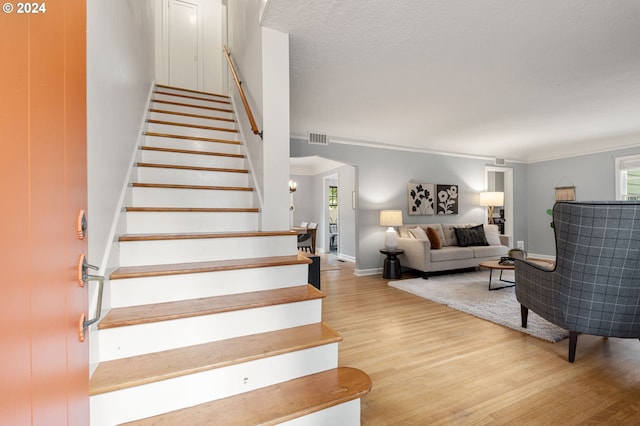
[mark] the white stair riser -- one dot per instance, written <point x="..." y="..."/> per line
<point x="194" y="110"/>
<point x="205" y="146"/>
<point x="192" y="131"/>
<point x="210" y="120"/>
<point x="185" y="391"/>
<point x="180" y="222"/>
<point x="157" y="252"/>
<point x="175" y="197"/>
<point x="160" y="157"/>
<point x="224" y="104"/>
<point x="181" y="92"/>
<point x="146" y="290"/>
<point x="191" y="177"/>
<point x="124" y="342"/>
<point x="345" y="414"/>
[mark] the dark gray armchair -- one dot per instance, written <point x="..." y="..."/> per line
<point x="595" y="285"/>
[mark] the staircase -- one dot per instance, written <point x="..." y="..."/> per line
<point x="212" y="321"/>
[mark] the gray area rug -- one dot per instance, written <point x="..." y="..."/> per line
<point x="468" y="292"/>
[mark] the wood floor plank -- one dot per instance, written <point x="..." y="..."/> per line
<point x="164" y="86"/>
<point x="197" y="98"/>
<point x="202" y="187"/>
<point x="185" y="114"/>
<point x="194" y="209"/>
<point x="204" y="235"/>
<point x="208" y="108"/>
<point x="431" y="364"/>
<point x="211" y="266"/>
<point x="133" y="315"/>
<point x="149" y="368"/>
<point x="192" y="138"/>
<point x="187" y="151"/>
<point x="194" y="126"/>
<point x="196" y="168"/>
<point x="274" y="404"/>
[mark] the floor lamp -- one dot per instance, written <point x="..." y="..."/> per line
<point x="490" y="200"/>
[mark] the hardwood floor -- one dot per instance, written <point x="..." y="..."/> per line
<point x="431" y="364"/>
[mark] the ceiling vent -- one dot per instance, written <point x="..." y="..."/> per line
<point x="499" y="161"/>
<point x="318" y="139"/>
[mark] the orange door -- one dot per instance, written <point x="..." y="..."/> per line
<point x="43" y="365"/>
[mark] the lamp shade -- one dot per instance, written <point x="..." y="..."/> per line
<point x="492" y="198"/>
<point x="390" y="217"/>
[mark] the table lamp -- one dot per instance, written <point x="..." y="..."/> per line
<point x="391" y="218"/>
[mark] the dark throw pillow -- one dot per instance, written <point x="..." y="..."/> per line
<point x="473" y="236"/>
<point x="434" y="239"/>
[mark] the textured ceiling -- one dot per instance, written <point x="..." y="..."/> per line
<point x="525" y="80"/>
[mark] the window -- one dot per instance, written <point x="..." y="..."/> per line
<point x="628" y="178"/>
<point x="333" y="197"/>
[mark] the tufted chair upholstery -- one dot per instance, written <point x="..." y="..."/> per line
<point x="594" y="287"/>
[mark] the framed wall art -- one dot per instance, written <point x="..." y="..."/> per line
<point x="447" y="199"/>
<point x="421" y="199"/>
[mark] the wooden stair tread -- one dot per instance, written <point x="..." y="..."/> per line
<point x="210" y="266"/>
<point x="193" y="209"/>
<point x="274" y="404"/>
<point x="191" y="138"/>
<point x="197" y="98"/>
<point x="208" y="108"/>
<point x="144" y="314"/>
<point x="203" y="235"/>
<point x="164" y="86"/>
<point x="153" y="367"/>
<point x="204" y="187"/>
<point x="194" y="126"/>
<point x="189" y="151"/>
<point x="198" y="168"/>
<point x="186" y="114"/>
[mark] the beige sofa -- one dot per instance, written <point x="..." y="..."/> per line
<point x="419" y="255"/>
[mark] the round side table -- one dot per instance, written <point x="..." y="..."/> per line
<point x="391" y="267"/>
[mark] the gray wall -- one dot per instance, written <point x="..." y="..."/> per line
<point x="382" y="178"/>
<point x="592" y="175"/>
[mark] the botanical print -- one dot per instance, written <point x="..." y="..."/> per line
<point x="421" y="197"/>
<point x="447" y="199"/>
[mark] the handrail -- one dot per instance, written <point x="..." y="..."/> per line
<point x="254" y="126"/>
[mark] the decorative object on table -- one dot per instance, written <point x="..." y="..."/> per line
<point x="421" y="199"/>
<point x="447" y="198"/>
<point x="516" y="253"/>
<point x="490" y="200"/>
<point x="594" y="288"/>
<point x="467" y="292"/>
<point x="550" y="213"/>
<point x="391" y="218"/>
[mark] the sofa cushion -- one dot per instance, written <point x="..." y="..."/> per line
<point x="493" y="235"/>
<point x="473" y="236"/>
<point x="449" y="231"/>
<point x="434" y="238"/>
<point x="418" y="233"/>
<point x="489" y="251"/>
<point x="451" y="253"/>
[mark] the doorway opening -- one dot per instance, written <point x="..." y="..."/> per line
<point x="500" y="179"/>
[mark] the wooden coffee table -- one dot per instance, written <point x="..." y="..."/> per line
<point x="492" y="265"/>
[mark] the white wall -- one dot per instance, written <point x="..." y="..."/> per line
<point x="120" y="74"/>
<point x="261" y="57"/>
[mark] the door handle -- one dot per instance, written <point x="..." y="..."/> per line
<point x="83" y="278"/>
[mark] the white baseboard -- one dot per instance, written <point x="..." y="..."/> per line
<point x="363" y="272"/>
